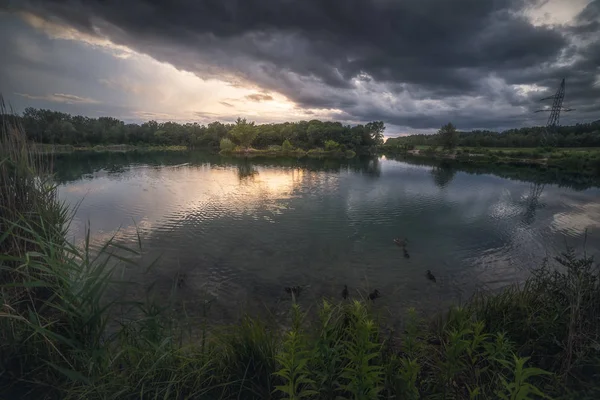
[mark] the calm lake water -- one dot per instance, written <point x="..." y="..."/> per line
<point x="238" y="231"/>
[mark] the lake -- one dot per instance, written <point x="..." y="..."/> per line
<point x="237" y="231"/>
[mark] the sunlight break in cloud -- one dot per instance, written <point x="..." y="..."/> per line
<point x="147" y="88"/>
<point x="367" y="60"/>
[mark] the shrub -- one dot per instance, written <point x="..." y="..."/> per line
<point x="227" y="145"/>
<point x="287" y="145"/>
<point x="431" y="149"/>
<point x="331" y="145"/>
<point x="274" y="147"/>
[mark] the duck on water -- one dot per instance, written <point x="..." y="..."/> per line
<point x="401" y="242"/>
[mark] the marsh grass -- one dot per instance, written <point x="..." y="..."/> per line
<point x="61" y="336"/>
<point x="64" y="349"/>
<point x="554" y="318"/>
<point x="26" y="190"/>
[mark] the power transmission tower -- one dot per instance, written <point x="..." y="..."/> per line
<point x="532" y="202"/>
<point x="554" y="119"/>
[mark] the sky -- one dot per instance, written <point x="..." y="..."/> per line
<point x="414" y="64"/>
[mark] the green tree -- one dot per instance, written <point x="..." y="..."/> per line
<point x="375" y="130"/>
<point x="47" y="126"/>
<point x="244" y="132"/>
<point x="448" y="136"/>
<point x="315" y="133"/>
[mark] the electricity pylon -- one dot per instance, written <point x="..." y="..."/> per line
<point x="554" y="118"/>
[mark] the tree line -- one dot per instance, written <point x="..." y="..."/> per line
<point x="53" y="127"/>
<point x="579" y="135"/>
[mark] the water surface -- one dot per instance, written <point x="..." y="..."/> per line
<point x="239" y="230"/>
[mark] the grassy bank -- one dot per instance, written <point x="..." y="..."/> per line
<point x="584" y="161"/>
<point x="61" y="336"/>
<point x="524" y="173"/>
<point x="62" y="149"/>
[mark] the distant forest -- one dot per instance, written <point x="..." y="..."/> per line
<point x="52" y="127"/>
<point x="580" y="135"/>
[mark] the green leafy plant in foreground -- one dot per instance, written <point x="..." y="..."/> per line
<point x="362" y="376"/>
<point x="294" y="359"/>
<point x="326" y="361"/>
<point x="519" y="388"/>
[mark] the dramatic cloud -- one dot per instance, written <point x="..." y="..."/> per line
<point x="60" y="98"/>
<point x="414" y="63"/>
<point x="259" y="97"/>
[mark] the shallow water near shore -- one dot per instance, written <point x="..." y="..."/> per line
<point x="237" y="231"/>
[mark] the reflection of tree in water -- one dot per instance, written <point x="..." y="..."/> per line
<point x="364" y="165"/>
<point x="532" y="202"/>
<point x="115" y="169"/>
<point x="443" y="174"/>
<point x="246" y="170"/>
<point x="373" y="167"/>
<point x="72" y="166"/>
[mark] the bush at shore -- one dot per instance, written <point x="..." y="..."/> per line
<point x="285" y="150"/>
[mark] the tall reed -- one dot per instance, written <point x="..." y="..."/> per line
<point x="26" y="190"/>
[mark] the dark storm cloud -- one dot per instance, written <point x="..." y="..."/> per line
<point x="415" y="63"/>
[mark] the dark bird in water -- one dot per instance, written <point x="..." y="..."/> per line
<point x="401" y="242"/>
<point x="181" y="280"/>
<point x="430" y="276"/>
<point x="294" y="290"/>
<point x="406" y="255"/>
<point x="345" y="292"/>
<point x="374" y="295"/>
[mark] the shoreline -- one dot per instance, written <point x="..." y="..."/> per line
<point x="66" y="148"/>
<point x="581" y="161"/>
<point x="294" y="153"/>
<point x="565" y="160"/>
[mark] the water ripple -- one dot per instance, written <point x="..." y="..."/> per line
<point x="239" y="238"/>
